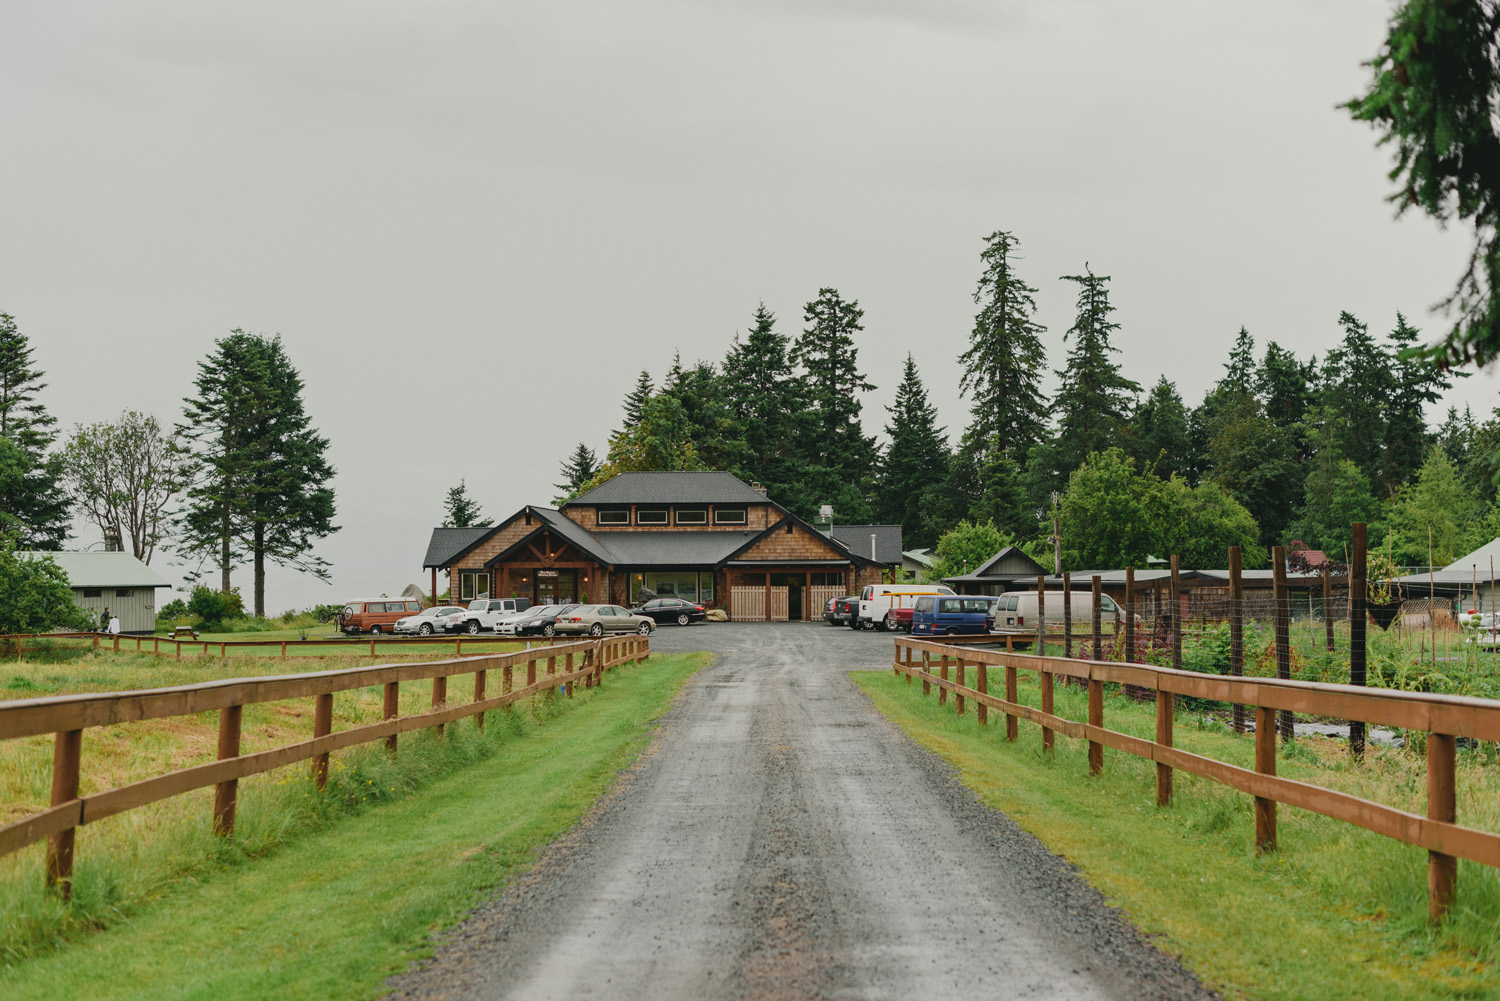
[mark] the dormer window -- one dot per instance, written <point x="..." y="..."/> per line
<point x="650" y="516"/>
<point x="692" y="516"/>
<point x="729" y="516"/>
<point x="614" y="516"/>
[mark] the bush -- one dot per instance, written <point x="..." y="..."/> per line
<point x="35" y="596"/>
<point x="214" y="607"/>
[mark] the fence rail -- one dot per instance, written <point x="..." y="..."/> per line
<point x="1442" y="717"/>
<point x="67" y="716"/>
<point x="121" y="642"/>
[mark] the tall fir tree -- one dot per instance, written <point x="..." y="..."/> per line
<point x="1240" y="370"/>
<point x="915" y="461"/>
<point x="828" y="353"/>
<point x="1417" y="381"/>
<point x="767" y="397"/>
<point x="33" y="502"/>
<point x="1285" y="385"/>
<point x="1005" y="360"/>
<point x="635" y="401"/>
<point x="578" y="469"/>
<point x="1357" y="384"/>
<point x="1159" y="433"/>
<point x="1094" y="397"/>
<point x="462" y="511"/>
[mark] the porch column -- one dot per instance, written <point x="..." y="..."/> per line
<point x="434" y="585"/>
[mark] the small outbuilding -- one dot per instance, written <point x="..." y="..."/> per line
<point x="114" y="580"/>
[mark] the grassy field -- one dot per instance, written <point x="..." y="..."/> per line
<point x="1336" y="913"/>
<point x="439" y="823"/>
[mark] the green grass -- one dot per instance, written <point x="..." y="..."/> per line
<point x="325" y="895"/>
<point x="1336" y="912"/>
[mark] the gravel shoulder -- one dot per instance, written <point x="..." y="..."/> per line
<point x="781" y="839"/>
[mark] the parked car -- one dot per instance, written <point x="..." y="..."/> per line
<point x="961" y="615"/>
<point x="839" y="611"/>
<point x="1017" y="610"/>
<point x="375" y="616"/>
<point x="888" y="606"/>
<point x="676" y="610"/>
<point x="485" y="613"/>
<point x="428" y="620"/>
<point x="540" y="620"/>
<point x="596" y="620"/>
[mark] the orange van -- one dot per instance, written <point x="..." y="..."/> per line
<point x="376" y="616"/>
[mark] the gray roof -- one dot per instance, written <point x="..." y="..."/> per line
<point x="104" y="569"/>
<point x="681" y="487"/>
<point x="576" y="535"/>
<point x="447" y="543"/>
<point x="1464" y="569"/>
<point x="988" y="568"/>
<point x="856" y="539"/>
<point x="675" y="549"/>
<point x="922" y="556"/>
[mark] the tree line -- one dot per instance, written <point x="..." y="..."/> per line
<point x="1281" y="449"/>
<point x="242" y="477"/>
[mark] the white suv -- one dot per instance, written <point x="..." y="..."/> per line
<point x="484" y="613"/>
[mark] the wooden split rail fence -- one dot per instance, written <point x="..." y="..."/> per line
<point x="164" y="646"/>
<point x="67" y="716"/>
<point x="1444" y="718"/>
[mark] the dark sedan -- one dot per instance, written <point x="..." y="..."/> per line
<point x="535" y="621"/>
<point x="840" y="611"/>
<point x="671" y="610"/>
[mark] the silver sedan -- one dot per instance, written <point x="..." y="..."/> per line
<point x="596" y="620"/>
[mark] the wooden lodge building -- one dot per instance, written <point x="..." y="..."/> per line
<point x="707" y="537"/>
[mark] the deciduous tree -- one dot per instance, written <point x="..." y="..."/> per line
<point x="124" y="474"/>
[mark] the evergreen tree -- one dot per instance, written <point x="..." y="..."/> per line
<point x="259" y="473"/>
<point x="635" y="401"/>
<point x="767" y="398"/>
<point x="1159" y="433"/>
<point x="1094" y="395"/>
<point x="1240" y="371"/>
<point x="1003" y="366"/>
<point x="580" y="467"/>
<point x="705" y="398"/>
<point x="1436" y="500"/>
<point x="915" y="462"/>
<point x="34" y="503"/>
<point x="1357" y="383"/>
<point x="1335" y="494"/>
<point x="1417" y="382"/>
<point x="1285" y="385"/>
<point x="826" y="350"/>
<point x="462" y="511"/>
<point x="1252" y="458"/>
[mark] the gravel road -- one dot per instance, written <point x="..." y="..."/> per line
<point x="781" y="840"/>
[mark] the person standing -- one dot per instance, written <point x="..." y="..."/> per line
<point x="104" y="620"/>
<point x="114" y="625"/>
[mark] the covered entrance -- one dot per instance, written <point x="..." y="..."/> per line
<point x="789" y="594"/>
<point x="555" y="587"/>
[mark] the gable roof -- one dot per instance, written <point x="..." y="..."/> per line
<point x="103" y="569"/>
<point x="991" y="567"/>
<point x="856" y="539"/>
<point x="1462" y="570"/>
<point x="679" y="487"/>
<point x="922" y="556"/>
<point x="446" y="543"/>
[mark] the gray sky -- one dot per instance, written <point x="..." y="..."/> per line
<point x="473" y="223"/>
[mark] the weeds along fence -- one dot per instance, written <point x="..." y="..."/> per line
<point x="16" y="644"/>
<point x="68" y="716"/>
<point x="1442" y="718"/>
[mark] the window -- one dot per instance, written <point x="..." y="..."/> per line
<point x="413" y="606"/>
<point x="93" y="592"/>
<point x="124" y="592"/>
<point x="951" y="605"/>
<point x="692" y="516"/>
<point x="651" y="516"/>
<point x="729" y="516"/>
<point x="924" y="604"/>
<point x="472" y="584"/>
<point x="613" y="516"/>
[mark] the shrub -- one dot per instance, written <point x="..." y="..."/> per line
<point x="35" y="596"/>
<point x="214" y="607"/>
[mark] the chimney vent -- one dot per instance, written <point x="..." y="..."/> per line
<point x="755" y="485"/>
<point x="112" y="542"/>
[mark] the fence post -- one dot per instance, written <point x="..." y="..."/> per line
<point x="1129" y="657"/>
<point x="226" y="793"/>
<point x="1265" y="763"/>
<point x="283" y="649"/>
<point x="1096" y="718"/>
<point x="67" y="753"/>
<point x="1176" y="613"/>
<point x="1236" y="631"/>
<point x="1442" y="804"/>
<point x="943" y="673"/>
<point x="1283" y="602"/>
<point x="322" y="727"/>
<point x="530" y="670"/>
<point x="959" y="699"/>
<point x="440" y="699"/>
<point x="390" y="708"/>
<point x="1098" y="637"/>
<point x="1047" y="682"/>
<point x="1067" y="599"/>
<point x="1358" y="584"/>
<point x="1165" y="704"/>
<point x="568" y="669"/>
<point x="981" y="684"/>
<point x="926" y="669"/>
<point x="1012" y="721"/>
<point x="479" y="680"/>
<point x="1041" y="616"/>
<point x="1327" y="603"/>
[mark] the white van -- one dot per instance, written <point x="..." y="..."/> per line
<point x="1017" y="610"/>
<point x="889" y="606"/>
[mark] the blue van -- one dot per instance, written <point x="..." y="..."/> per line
<point x="940" y="615"/>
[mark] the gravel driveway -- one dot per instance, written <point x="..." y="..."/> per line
<point x="782" y="840"/>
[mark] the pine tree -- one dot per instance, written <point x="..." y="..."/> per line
<point x="1005" y="360"/>
<point x="1285" y="385"/>
<point x="33" y="503"/>
<point x="1357" y="384"/>
<point x="1094" y="396"/>
<point x="462" y="511"/>
<point x="705" y="398"/>
<point x="1335" y="493"/>
<point x="914" y="463"/>
<point x="1417" y="382"/>
<point x="580" y="467"/>
<point x="1239" y="371"/>
<point x="767" y="398"/>
<point x="827" y="352"/>
<point x="635" y="401"/>
<point x="1159" y="433"/>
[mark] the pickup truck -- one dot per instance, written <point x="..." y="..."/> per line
<point x="483" y="613"/>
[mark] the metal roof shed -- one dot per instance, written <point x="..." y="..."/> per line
<point x="114" y="580"/>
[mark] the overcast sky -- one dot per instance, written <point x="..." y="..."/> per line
<point x="474" y="223"/>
